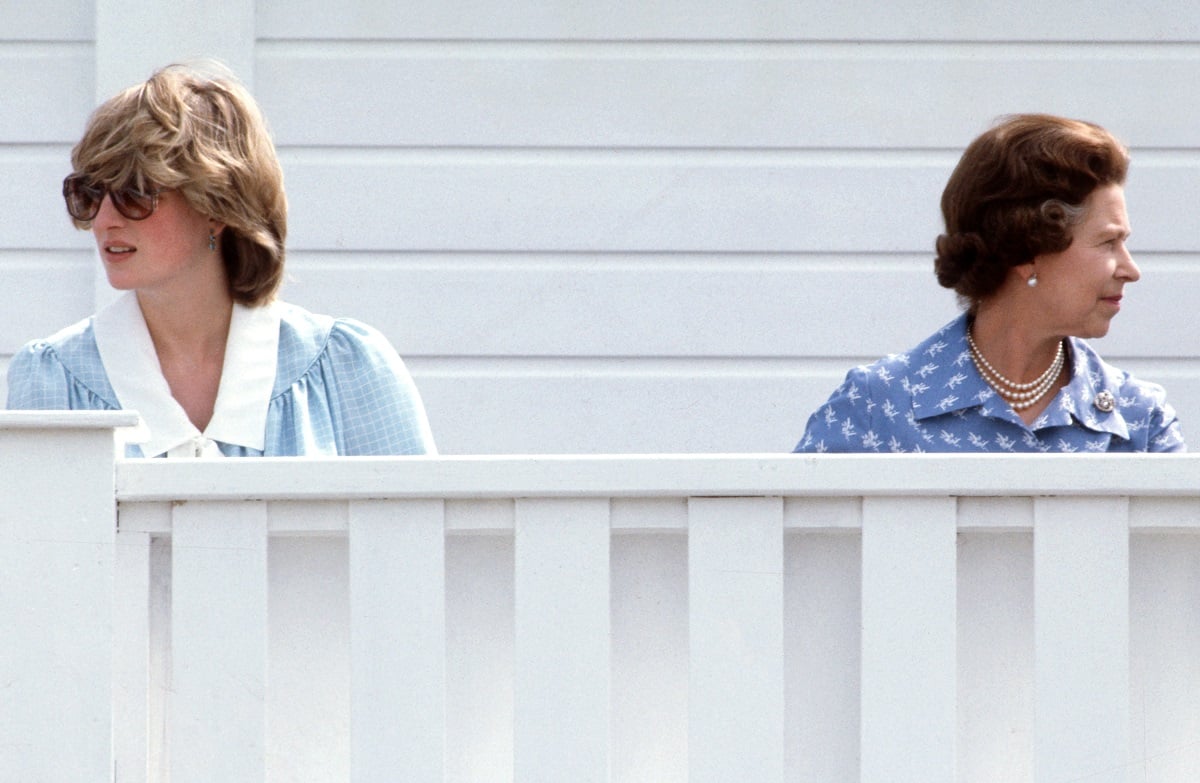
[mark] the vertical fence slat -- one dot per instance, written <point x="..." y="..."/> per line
<point x="397" y="640"/>
<point x="219" y="642"/>
<point x="562" y="624"/>
<point x="57" y="528"/>
<point x="908" y="639"/>
<point x="736" y="683"/>
<point x="1081" y="637"/>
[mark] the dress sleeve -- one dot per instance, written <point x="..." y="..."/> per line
<point x="843" y="423"/>
<point x="1165" y="433"/>
<point x="37" y="380"/>
<point x="379" y="408"/>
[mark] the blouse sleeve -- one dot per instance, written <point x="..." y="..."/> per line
<point x="380" y="410"/>
<point x="843" y="423"/>
<point x="37" y="380"/>
<point x="1165" y="433"/>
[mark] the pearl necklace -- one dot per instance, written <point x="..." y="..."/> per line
<point x="1018" y="395"/>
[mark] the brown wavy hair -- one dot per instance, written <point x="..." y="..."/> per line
<point x="196" y="129"/>
<point x="1016" y="193"/>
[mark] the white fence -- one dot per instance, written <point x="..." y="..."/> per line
<point x="656" y="618"/>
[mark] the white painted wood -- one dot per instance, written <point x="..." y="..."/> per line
<point x="995" y="653"/>
<point x="215" y="29"/>
<point x="398" y="640"/>
<point x="57" y="533"/>
<point x="39" y="220"/>
<point x="903" y="21"/>
<point x="47" y="88"/>
<point x="680" y="306"/>
<point x="909" y="694"/>
<point x="1164" y="514"/>
<point x="561" y="677"/>
<point x="649" y="656"/>
<point x="657" y="476"/>
<point x="569" y="201"/>
<point x="41" y="293"/>
<point x="822" y="652"/>
<point x="160" y="690"/>
<point x="1164" y="635"/>
<point x="1081" y="632"/>
<point x="706" y="95"/>
<point x="48" y="20"/>
<point x="131" y="656"/>
<point x="219" y="642"/>
<point x="557" y="635"/>
<point x="500" y="407"/>
<point x="480" y="630"/>
<point x="308" y="714"/>
<point x="735" y="613"/>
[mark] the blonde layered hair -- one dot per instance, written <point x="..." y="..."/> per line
<point x="201" y="133"/>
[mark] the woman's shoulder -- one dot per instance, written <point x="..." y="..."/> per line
<point x="1103" y="375"/>
<point x="73" y="348"/>
<point x="69" y="356"/>
<point x="307" y="339"/>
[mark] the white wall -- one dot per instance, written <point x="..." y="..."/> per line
<point x="626" y="227"/>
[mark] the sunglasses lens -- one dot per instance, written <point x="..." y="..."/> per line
<point x="133" y="204"/>
<point x="83" y="200"/>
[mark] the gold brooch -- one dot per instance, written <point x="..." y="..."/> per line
<point x="1105" y="402"/>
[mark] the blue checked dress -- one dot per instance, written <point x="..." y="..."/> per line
<point x="932" y="399"/>
<point x="293" y="384"/>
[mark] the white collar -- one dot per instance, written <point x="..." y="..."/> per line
<point x="247" y="380"/>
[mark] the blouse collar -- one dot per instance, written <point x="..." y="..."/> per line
<point x="247" y="380"/>
<point x="949" y="383"/>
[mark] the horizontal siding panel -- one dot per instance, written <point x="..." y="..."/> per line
<point x="560" y="412"/>
<point x="47" y="20"/>
<point x="31" y="187"/>
<point x="738" y="202"/>
<point x="42" y="292"/>
<point x="725" y="307"/>
<point x="48" y="92"/>
<point x="607" y="203"/>
<point x="741" y="95"/>
<point x="685" y="306"/>
<point x="710" y="19"/>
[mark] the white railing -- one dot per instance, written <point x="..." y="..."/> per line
<point x="645" y="618"/>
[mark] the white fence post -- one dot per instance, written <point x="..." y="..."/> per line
<point x="397" y="640"/>
<point x="1081" y="627"/>
<point x="735" y="606"/>
<point x="562" y="675"/>
<point x="217" y="711"/>
<point x="909" y="652"/>
<point x="57" y="528"/>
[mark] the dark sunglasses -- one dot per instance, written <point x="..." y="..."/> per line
<point x="83" y="199"/>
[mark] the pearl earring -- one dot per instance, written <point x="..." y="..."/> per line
<point x="1032" y="281"/>
<point x="212" y="240"/>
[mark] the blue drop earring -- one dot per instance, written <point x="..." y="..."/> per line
<point x="212" y="240"/>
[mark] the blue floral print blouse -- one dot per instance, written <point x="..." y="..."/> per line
<point x="932" y="399"/>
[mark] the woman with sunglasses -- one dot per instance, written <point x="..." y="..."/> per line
<point x="179" y="183"/>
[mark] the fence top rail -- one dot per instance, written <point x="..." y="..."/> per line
<point x="657" y="475"/>
<point x="67" y="420"/>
